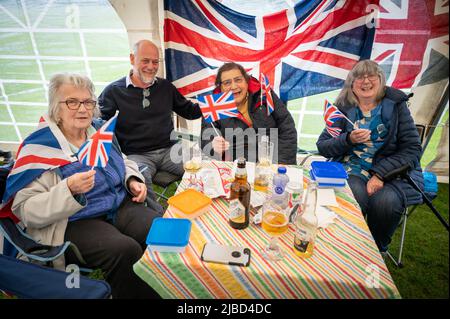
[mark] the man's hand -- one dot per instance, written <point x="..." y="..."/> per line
<point x="80" y="183"/>
<point x="374" y="185"/>
<point x="220" y="145"/>
<point x="138" y="189"/>
<point x="359" y="135"/>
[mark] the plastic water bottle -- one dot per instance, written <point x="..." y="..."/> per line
<point x="280" y="196"/>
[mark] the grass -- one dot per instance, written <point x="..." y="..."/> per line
<point x="426" y="272"/>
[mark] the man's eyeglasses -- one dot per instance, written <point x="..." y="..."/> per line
<point x="74" y="104"/>
<point x="370" y="77"/>
<point x="237" y="80"/>
<point x="146" y="101"/>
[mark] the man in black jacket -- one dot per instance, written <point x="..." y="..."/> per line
<point x="144" y="125"/>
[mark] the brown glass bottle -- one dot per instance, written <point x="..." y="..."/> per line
<point x="239" y="202"/>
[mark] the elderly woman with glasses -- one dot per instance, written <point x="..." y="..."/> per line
<point x="234" y="137"/>
<point x="99" y="210"/>
<point x="382" y="139"/>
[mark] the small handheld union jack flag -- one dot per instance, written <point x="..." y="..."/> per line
<point x="216" y="107"/>
<point x="95" y="151"/>
<point x="266" y="94"/>
<point x="330" y="114"/>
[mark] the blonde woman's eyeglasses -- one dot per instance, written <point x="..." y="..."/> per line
<point x="74" y="104"/>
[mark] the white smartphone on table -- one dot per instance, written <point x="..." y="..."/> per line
<point x="229" y="255"/>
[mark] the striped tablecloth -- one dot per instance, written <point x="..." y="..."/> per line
<point x="345" y="264"/>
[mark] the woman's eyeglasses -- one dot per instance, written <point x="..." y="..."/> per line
<point x="146" y="101"/>
<point x="370" y="77"/>
<point x="74" y="104"/>
<point x="237" y="80"/>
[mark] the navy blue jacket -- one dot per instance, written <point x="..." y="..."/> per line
<point x="401" y="146"/>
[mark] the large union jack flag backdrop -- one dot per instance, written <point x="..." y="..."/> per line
<point x="411" y="41"/>
<point x="95" y="151"/>
<point x="303" y="51"/>
<point x="218" y="106"/>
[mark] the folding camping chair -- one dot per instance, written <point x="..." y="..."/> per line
<point x="164" y="179"/>
<point x="425" y="133"/>
<point x="427" y="197"/>
<point x="32" y="279"/>
<point x="16" y="241"/>
<point x="306" y="155"/>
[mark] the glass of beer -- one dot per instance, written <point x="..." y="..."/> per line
<point x="275" y="222"/>
<point x="192" y="163"/>
<point x="263" y="174"/>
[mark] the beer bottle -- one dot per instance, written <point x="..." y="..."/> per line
<point x="306" y="224"/>
<point x="239" y="202"/>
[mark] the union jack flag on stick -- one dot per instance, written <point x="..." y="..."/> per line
<point x="218" y="106"/>
<point x="266" y="94"/>
<point x="330" y="114"/>
<point x="95" y="151"/>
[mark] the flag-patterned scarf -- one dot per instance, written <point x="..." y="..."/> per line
<point x="44" y="149"/>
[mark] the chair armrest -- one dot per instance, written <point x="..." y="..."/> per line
<point x="399" y="172"/>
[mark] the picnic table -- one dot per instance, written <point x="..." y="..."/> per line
<point x="346" y="262"/>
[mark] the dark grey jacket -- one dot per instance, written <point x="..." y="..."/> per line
<point x="401" y="146"/>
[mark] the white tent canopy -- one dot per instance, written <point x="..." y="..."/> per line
<point x="144" y="19"/>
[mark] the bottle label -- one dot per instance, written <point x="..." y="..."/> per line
<point x="237" y="210"/>
<point x="303" y="234"/>
<point x="303" y="237"/>
<point x="279" y="190"/>
<point x="296" y="198"/>
<point x="300" y="245"/>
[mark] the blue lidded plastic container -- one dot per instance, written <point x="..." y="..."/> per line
<point x="328" y="174"/>
<point x="169" y="234"/>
